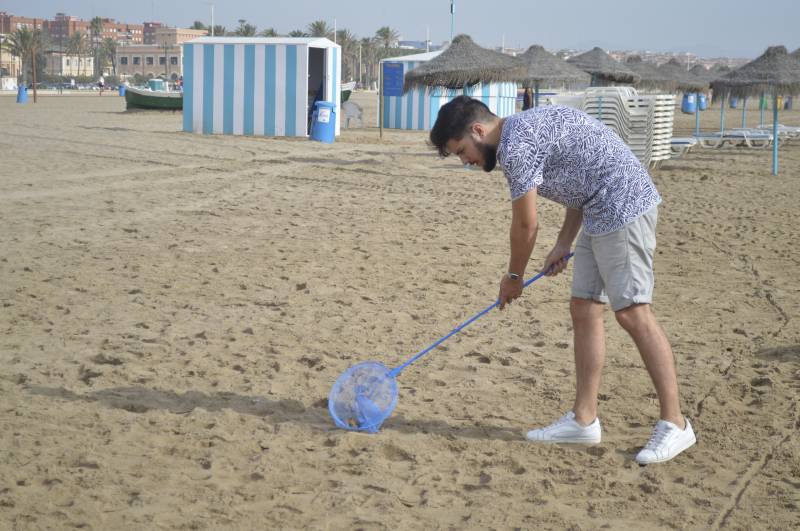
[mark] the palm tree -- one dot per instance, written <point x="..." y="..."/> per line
<point x="245" y="29"/>
<point x="298" y="33"/>
<point x="96" y="28"/>
<point x="198" y="25"/>
<point x="349" y="45"/>
<point x="27" y="45"/>
<point x="387" y="37"/>
<point x="108" y="54"/>
<point x="219" y="31"/>
<point x="78" y="46"/>
<point x="319" y="28"/>
<point x="269" y="32"/>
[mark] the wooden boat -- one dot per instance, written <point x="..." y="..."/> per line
<point x="155" y="96"/>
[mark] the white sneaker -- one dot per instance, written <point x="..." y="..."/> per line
<point x="667" y="441"/>
<point x="566" y="430"/>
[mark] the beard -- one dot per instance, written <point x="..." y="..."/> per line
<point x="489" y="156"/>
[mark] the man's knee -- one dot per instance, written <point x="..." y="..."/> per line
<point x="634" y="317"/>
<point x="585" y="310"/>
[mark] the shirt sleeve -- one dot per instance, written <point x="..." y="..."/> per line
<point x="523" y="163"/>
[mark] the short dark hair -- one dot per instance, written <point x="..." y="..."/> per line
<point x="454" y="120"/>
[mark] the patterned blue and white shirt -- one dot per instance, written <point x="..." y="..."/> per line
<point x="575" y="160"/>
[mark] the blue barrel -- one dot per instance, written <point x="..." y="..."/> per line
<point x="787" y="103"/>
<point x="734" y="102"/>
<point x="689" y="103"/>
<point x="122" y="89"/>
<point x="323" y="122"/>
<point x="702" y="102"/>
<point x="22" y="94"/>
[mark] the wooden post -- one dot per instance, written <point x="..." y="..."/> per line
<point x="33" y="63"/>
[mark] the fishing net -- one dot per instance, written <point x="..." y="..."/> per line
<point x="363" y="397"/>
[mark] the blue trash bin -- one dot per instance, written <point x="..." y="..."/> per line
<point x="122" y="89"/>
<point x="689" y="103"/>
<point x="702" y="102"/>
<point x="734" y="102"/>
<point x="22" y="94"/>
<point x="323" y="122"/>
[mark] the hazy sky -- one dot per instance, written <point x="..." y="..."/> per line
<point x="737" y="28"/>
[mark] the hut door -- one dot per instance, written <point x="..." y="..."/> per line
<point x="316" y="78"/>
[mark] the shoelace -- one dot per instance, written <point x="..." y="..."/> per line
<point x="659" y="434"/>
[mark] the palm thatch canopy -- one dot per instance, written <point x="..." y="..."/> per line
<point x="545" y="69"/>
<point x="603" y="67"/>
<point x="796" y="54"/>
<point x="650" y="76"/>
<point x="464" y="63"/>
<point x="774" y="70"/>
<point x="704" y="74"/>
<point x="683" y="79"/>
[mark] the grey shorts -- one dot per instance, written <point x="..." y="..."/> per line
<point x="617" y="267"/>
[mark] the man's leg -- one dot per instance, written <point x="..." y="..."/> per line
<point x="638" y="320"/>
<point x="590" y="354"/>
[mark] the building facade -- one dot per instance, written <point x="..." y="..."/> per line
<point x="163" y="58"/>
<point x="150" y="32"/>
<point x="61" y="64"/>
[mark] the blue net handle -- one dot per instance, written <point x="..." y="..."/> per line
<point x="397" y="370"/>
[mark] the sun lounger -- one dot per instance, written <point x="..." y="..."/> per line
<point x="679" y="146"/>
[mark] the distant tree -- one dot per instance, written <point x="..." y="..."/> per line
<point x="349" y="44"/>
<point x="245" y="29"/>
<point x="298" y="33"/>
<point x="198" y="26"/>
<point x="387" y="37"/>
<point x="108" y="54"/>
<point x="96" y="29"/>
<point x="29" y="46"/>
<point x="219" y="31"/>
<point x="320" y="28"/>
<point x="269" y="32"/>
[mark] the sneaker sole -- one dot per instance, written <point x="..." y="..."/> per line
<point x="676" y="454"/>
<point x="564" y="441"/>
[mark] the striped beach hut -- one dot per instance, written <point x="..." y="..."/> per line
<point x="258" y="86"/>
<point x="419" y="106"/>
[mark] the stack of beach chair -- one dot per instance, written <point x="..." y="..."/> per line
<point x="644" y="122"/>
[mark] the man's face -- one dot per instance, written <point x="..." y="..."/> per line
<point x="472" y="150"/>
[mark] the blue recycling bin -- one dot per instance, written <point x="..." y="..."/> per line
<point x="22" y="94"/>
<point x="734" y="102"/>
<point x="122" y="89"/>
<point x="702" y="102"/>
<point x="323" y="122"/>
<point x="689" y="103"/>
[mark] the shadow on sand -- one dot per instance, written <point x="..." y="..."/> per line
<point x="141" y="399"/>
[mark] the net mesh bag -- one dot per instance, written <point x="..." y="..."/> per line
<point x="363" y="397"/>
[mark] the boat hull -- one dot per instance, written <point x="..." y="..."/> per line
<point x="145" y="99"/>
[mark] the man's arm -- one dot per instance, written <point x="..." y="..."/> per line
<point x="522" y="236"/>
<point x="569" y="230"/>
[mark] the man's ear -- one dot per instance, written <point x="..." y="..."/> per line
<point x="478" y="129"/>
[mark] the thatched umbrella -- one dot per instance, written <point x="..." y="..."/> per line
<point x="704" y="74"/>
<point x="543" y="68"/>
<point x="683" y="79"/>
<point x="650" y="76"/>
<point x="462" y="64"/>
<point x="796" y="54"/>
<point x="603" y="67"/>
<point x="774" y="72"/>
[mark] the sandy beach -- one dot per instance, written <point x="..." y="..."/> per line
<point x="174" y="309"/>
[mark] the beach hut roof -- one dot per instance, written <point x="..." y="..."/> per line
<point x="546" y="69"/>
<point x="600" y="64"/>
<point x="464" y="63"/>
<point x="775" y="69"/>
<point x="312" y="42"/>
<point x="684" y="80"/>
<point x="650" y="76"/>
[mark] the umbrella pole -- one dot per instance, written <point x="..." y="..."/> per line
<point x="761" y="104"/>
<point x="775" y="132"/>
<point x="744" y="112"/>
<point x="722" y="114"/>
<point x="697" y="114"/>
<point x="536" y="94"/>
<point x="380" y="101"/>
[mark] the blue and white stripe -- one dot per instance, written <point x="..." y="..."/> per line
<point x="251" y="87"/>
<point x="418" y="108"/>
